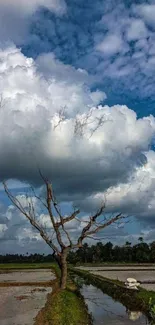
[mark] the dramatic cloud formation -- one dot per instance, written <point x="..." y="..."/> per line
<point x="113" y="143"/>
<point x="66" y="106"/>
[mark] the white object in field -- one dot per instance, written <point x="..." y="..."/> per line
<point x="137" y="284"/>
<point x="132" y="284"/>
<point x="131" y="280"/>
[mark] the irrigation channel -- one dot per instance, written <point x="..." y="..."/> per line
<point x="104" y="309"/>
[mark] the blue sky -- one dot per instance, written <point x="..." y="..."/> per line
<point x="63" y="63"/>
<point x="76" y="36"/>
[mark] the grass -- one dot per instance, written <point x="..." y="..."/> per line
<point x="113" y="264"/>
<point x="64" y="308"/>
<point x="20" y="266"/>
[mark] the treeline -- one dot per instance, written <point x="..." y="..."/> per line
<point x="32" y="258"/>
<point x="128" y="253"/>
<point x="140" y="253"/>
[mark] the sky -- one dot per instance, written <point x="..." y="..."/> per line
<point x="90" y="64"/>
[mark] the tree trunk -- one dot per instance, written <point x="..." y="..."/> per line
<point x="63" y="279"/>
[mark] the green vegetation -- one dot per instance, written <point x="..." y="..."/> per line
<point x="64" y="307"/>
<point x="108" y="253"/>
<point x="152" y="309"/>
<point x="16" y="266"/>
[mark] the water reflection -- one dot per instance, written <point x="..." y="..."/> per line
<point x="105" y="310"/>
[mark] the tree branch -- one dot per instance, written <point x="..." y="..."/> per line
<point x="70" y="218"/>
<point x="89" y="225"/>
<point x="31" y="219"/>
<point x="106" y="224"/>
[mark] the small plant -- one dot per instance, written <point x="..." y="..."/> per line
<point x="152" y="310"/>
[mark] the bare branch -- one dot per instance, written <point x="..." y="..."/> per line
<point x="38" y="197"/>
<point x="61" y="116"/>
<point x="89" y="225"/>
<point x="69" y="218"/>
<point x="80" y="123"/>
<point x="31" y="219"/>
<point x="106" y="224"/>
<point x="62" y="221"/>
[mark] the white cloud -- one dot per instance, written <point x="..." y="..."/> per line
<point x="15" y="17"/>
<point x="136" y="30"/>
<point x="134" y="198"/>
<point x="31" y="6"/>
<point x="3" y="228"/>
<point x="111" y="44"/>
<point x="112" y="152"/>
<point x="147" y="11"/>
<point x="29" y="107"/>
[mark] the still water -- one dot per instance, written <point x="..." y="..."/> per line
<point x="105" y="310"/>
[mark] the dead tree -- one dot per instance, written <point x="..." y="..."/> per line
<point x="62" y="243"/>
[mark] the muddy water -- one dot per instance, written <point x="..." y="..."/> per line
<point x="20" y="305"/>
<point x="105" y="310"/>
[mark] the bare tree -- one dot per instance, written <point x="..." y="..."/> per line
<point x="60" y="239"/>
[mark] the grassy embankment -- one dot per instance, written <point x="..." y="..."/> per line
<point x="114" y="264"/>
<point x="142" y="299"/>
<point x="62" y="307"/>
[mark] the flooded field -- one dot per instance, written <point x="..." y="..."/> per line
<point x="140" y="273"/>
<point x="26" y="276"/>
<point x="19" y="305"/>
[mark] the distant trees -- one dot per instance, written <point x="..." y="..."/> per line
<point x="28" y="258"/>
<point x="127" y="253"/>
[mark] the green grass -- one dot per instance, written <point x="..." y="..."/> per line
<point x="112" y="264"/>
<point x="16" y="266"/>
<point x="66" y="308"/>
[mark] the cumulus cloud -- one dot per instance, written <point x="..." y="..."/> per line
<point x="134" y="198"/>
<point x="32" y="137"/>
<point x="43" y="101"/>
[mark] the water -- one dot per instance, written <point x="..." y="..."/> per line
<point x="105" y="310"/>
